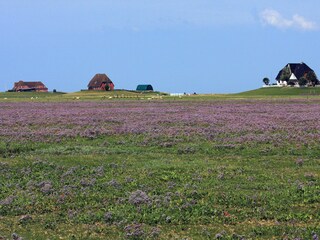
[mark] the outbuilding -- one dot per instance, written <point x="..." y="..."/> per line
<point x="144" y="87"/>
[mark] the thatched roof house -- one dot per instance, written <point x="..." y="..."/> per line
<point x="101" y="82"/>
<point x="22" y="86"/>
<point x="292" y="72"/>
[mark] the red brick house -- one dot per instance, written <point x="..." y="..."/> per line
<point x="22" y="86"/>
<point x="100" y="82"/>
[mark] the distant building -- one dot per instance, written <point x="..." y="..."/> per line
<point x="101" y="82"/>
<point x="22" y="86"/>
<point x="292" y="72"/>
<point x="144" y="87"/>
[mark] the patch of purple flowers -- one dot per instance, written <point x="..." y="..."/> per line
<point x="139" y="197"/>
<point x="134" y="231"/>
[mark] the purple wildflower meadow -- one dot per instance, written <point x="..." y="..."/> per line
<point x="228" y="122"/>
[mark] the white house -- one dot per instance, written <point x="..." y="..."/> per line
<point x="292" y="72"/>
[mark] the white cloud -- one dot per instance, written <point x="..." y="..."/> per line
<point x="274" y="18"/>
<point x="304" y="23"/>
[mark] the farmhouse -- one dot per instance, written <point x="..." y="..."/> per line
<point x="293" y="72"/>
<point x="22" y="86"/>
<point x="101" y="82"/>
<point x="144" y="87"/>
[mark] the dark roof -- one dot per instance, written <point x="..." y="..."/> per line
<point x="298" y="69"/>
<point x="144" y="87"/>
<point x="28" y="84"/>
<point x="98" y="79"/>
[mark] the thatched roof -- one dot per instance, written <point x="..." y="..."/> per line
<point x="28" y="84"/>
<point x="98" y="79"/>
<point x="298" y="69"/>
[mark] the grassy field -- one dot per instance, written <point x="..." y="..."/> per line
<point x="261" y="93"/>
<point x="79" y="96"/>
<point x="128" y="167"/>
<point x="283" y="92"/>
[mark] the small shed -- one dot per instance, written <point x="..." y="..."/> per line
<point x="144" y="87"/>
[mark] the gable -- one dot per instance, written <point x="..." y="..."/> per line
<point x="293" y="77"/>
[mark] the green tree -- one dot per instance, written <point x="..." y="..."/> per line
<point x="302" y="81"/>
<point x="285" y="74"/>
<point x="312" y="78"/>
<point x="107" y="87"/>
<point x="266" y="81"/>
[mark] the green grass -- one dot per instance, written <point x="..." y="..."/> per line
<point x="28" y="95"/>
<point x="282" y="92"/>
<point x="109" y="95"/>
<point x="250" y="191"/>
<point x="79" y="96"/>
<point x="274" y="92"/>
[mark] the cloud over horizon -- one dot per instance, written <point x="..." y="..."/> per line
<point x="274" y="18"/>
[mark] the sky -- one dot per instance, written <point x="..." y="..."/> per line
<point x="202" y="46"/>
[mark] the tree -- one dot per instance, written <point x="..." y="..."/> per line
<point x="302" y="81"/>
<point x="107" y="87"/>
<point x="266" y="81"/>
<point x="285" y="74"/>
<point x="312" y="78"/>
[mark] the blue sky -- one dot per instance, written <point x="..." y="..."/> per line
<point x="203" y="46"/>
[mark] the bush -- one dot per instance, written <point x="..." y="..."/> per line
<point x="302" y="81"/>
<point x="266" y="81"/>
